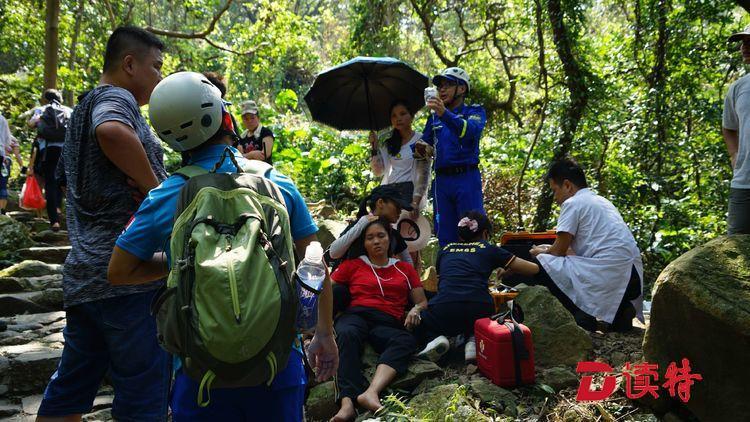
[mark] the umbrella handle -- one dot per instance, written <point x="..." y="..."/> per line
<point x="369" y="107"/>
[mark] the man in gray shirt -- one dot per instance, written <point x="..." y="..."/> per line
<point x="110" y="159"/>
<point x="736" y="131"/>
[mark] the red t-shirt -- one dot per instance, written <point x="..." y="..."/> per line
<point x="364" y="288"/>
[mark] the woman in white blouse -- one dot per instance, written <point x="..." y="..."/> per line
<point x="395" y="162"/>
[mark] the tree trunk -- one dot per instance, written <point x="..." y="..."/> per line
<point x="51" y="41"/>
<point x="657" y="82"/>
<point x="72" y="54"/>
<point x="575" y="81"/>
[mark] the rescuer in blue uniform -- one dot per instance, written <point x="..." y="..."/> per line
<point x="453" y="131"/>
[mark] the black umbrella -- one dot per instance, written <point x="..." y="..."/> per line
<point x="357" y="95"/>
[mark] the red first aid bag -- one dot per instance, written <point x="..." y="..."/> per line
<point x="505" y="352"/>
<point x="31" y="197"/>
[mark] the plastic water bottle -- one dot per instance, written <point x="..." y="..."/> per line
<point x="311" y="273"/>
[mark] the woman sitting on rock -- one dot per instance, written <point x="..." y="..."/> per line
<point x="380" y="288"/>
<point x="463" y="296"/>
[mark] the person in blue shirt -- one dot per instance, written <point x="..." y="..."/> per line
<point x="453" y="131"/>
<point x="141" y="250"/>
<point x="463" y="296"/>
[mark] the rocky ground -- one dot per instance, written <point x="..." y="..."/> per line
<point x="455" y="391"/>
<point x="31" y="324"/>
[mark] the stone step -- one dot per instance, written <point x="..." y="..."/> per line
<point x="20" y="303"/>
<point x="31" y="268"/>
<point x="37" y="225"/>
<point x="31" y="302"/>
<point x="50" y="254"/>
<point x="29" y="366"/>
<point x="23" y="329"/>
<point x="22" y="216"/>
<point x="8" y="409"/>
<point x="29" y="284"/>
<point x="49" y="237"/>
<point x="100" y="411"/>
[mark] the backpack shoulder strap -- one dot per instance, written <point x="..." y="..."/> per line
<point x="190" y="171"/>
<point x="256" y="167"/>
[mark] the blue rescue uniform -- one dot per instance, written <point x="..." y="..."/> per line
<point x="149" y="232"/>
<point x="457" y="184"/>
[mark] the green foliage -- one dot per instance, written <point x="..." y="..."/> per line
<point x="649" y="140"/>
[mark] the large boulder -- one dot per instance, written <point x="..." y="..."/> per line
<point x="417" y="371"/>
<point x="439" y="404"/>
<point x="13" y="236"/>
<point x="701" y="312"/>
<point x="492" y="395"/>
<point x="329" y="230"/>
<point x="31" y="268"/>
<point x="559" y="378"/>
<point x="321" y="403"/>
<point x="558" y="340"/>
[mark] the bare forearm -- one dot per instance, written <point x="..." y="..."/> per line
<point x="376" y="165"/>
<point x="121" y="146"/>
<point x="325" y="309"/>
<point x="419" y="298"/>
<point x="127" y="269"/>
<point x="421" y="178"/>
<point x="732" y="140"/>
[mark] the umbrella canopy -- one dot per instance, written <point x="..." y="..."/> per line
<point x="358" y="94"/>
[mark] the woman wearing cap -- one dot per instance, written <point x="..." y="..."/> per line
<point x="256" y="142"/>
<point x="396" y="162"/>
<point x="380" y="287"/>
<point x="386" y="202"/>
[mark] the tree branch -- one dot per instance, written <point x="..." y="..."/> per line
<point x="111" y="14"/>
<point x="192" y="35"/>
<point x="423" y="14"/>
<point x="240" y="53"/>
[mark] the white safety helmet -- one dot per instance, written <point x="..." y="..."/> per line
<point x="455" y="74"/>
<point x="185" y="110"/>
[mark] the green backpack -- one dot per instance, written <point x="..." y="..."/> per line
<point x="229" y="307"/>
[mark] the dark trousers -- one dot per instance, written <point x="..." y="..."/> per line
<point x="625" y="312"/>
<point x="738" y="220"/>
<point x="385" y="334"/>
<point x="52" y="191"/>
<point x="451" y="319"/>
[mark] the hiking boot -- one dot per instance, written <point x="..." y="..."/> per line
<point x="470" y="351"/>
<point x="435" y="349"/>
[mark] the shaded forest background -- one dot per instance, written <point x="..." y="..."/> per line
<point x="632" y="89"/>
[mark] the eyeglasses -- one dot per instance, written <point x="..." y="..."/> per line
<point x="447" y="84"/>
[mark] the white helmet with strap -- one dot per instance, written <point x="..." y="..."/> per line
<point x="185" y="110"/>
<point x="455" y="74"/>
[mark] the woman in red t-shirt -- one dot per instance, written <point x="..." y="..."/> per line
<point x="380" y="289"/>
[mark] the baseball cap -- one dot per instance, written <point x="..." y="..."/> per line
<point x="400" y="193"/>
<point x="249" y="107"/>
<point x="737" y="36"/>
